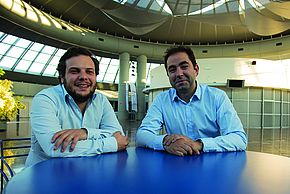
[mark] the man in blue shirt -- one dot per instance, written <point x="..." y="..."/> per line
<point x="197" y="118"/>
<point x="70" y="119"/>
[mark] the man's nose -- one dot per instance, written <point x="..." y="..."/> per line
<point x="83" y="75"/>
<point x="179" y="71"/>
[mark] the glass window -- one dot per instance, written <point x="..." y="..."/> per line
<point x="132" y="78"/>
<point x="37" y="47"/>
<point x="131" y="1"/>
<point x="143" y="4"/>
<point x="4" y="48"/>
<point x="233" y="6"/>
<point x="112" y="69"/>
<point x="23" y="65"/>
<point x="109" y="77"/>
<point x="48" y="49"/>
<point x="8" y="62"/>
<point x="114" y="62"/>
<point x="60" y="52"/>
<point x="156" y="6"/>
<point x="50" y="70"/>
<point x="153" y="65"/>
<point x="15" y="52"/>
<point x="55" y="60"/>
<point x="103" y="67"/>
<point x="42" y="58"/>
<point x="221" y="9"/>
<point x="105" y="60"/>
<point x="117" y="78"/>
<point x="30" y="55"/>
<point x="10" y="39"/>
<point x="23" y="43"/>
<point x="100" y="76"/>
<point x="98" y="58"/>
<point x="36" y="67"/>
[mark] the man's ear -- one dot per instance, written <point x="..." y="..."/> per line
<point x="61" y="80"/>
<point x="196" y="67"/>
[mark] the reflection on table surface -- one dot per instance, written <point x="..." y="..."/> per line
<point x="141" y="170"/>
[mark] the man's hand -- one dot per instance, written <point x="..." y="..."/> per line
<point x="121" y="140"/>
<point x="168" y="139"/>
<point x="181" y="145"/>
<point x="67" y="136"/>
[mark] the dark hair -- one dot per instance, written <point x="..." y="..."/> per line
<point x="176" y="49"/>
<point x="73" y="52"/>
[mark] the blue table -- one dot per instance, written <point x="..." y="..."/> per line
<point x="140" y="170"/>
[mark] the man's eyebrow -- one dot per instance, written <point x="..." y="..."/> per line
<point x="181" y="63"/>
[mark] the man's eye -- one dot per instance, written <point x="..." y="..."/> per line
<point x="73" y="71"/>
<point x="90" y="72"/>
<point x="184" y="66"/>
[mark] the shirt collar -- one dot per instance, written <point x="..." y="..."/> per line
<point x="197" y="93"/>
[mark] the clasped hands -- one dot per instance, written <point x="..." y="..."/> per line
<point x="181" y="145"/>
<point x="72" y="136"/>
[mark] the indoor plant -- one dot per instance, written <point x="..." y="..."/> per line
<point x="9" y="105"/>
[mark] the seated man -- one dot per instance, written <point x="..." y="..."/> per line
<point x="70" y="119"/>
<point x="197" y="118"/>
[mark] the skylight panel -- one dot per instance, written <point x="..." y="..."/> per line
<point x="48" y="49"/>
<point x="23" y="65"/>
<point x="103" y="67"/>
<point x="4" y="48"/>
<point x="100" y="76"/>
<point x="36" y="67"/>
<point x="10" y="39"/>
<point x="60" y="52"/>
<point x="42" y="58"/>
<point x="8" y="62"/>
<point x="30" y="55"/>
<point x="143" y="4"/>
<point x="55" y="60"/>
<point x="114" y="62"/>
<point x="112" y="69"/>
<point x="105" y="60"/>
<point x="166" y="8"/>
<point x="156" y="6"/>
<point x="37" y="46"/>
<point x="109" y="77"/>
<point x="15" y="52"/>
<point x="23" y="43"/>
<point x="50" y="70"/>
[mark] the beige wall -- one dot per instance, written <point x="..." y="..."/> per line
<point x="266" y="73"/>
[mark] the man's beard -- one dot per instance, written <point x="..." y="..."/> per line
<point x="77" y="97"/>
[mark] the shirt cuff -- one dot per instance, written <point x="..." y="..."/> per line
<point x="110" y="144"/>
<point x="93" y="133"/>
<point x="209" y="144"/>
<point x="158" y="142"/>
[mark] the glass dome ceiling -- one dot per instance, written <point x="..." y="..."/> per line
<point x="21" y="55"/>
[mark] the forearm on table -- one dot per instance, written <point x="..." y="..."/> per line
<point x="149" y="139"/>
<point x="229" y="142"/>
<point x="83" y="147"/>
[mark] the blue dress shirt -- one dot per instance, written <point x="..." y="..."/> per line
<point x="53" y="110"/>
<point x="209" y="116"/>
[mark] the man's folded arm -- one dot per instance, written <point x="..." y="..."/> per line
<point x="87" y="147"/>
<point x="148" y="134"/>
<point x="45" y="124"/>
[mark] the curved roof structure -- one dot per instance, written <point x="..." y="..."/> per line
<point x="213" y="28"/>
<point x="176" y="21"/>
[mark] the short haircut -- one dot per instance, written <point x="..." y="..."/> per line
<point x="73" y="52"/>
<point x="177" y="49"/>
